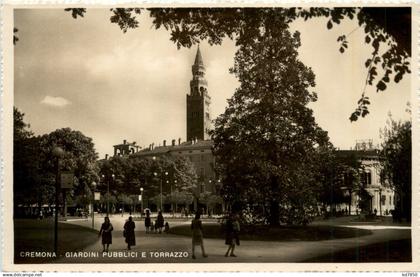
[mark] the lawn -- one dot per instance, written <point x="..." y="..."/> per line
<point x="390" y="251"/>
<point x="38" y="235"/>
<point x="265" y="233"/>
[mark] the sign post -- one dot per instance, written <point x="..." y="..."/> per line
<point x="66" y="180"/>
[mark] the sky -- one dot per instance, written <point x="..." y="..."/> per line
<point x="88" y="75"/>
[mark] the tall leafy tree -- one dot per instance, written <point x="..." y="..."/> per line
<point x="396" y="163"/>
<point x="79" y="157"/>
<point x="266" y="141"/>
<point x="27" y="179"/>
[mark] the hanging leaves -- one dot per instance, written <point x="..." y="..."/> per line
<point x="75" y="12"/>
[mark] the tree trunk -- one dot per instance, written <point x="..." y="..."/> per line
<point x="274" y="218"/>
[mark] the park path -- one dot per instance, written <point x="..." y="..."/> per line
<point x="248" y="251"/>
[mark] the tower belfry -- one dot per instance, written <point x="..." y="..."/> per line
<point x="198" y="102"/>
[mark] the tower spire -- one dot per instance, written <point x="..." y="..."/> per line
<point x="198" y="58"/>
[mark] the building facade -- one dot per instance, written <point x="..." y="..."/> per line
<point x="379" y="197"/>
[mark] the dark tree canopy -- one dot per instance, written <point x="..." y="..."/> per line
<point x="267" y="140"/>
<point x="396" y="157"/>
<point x="34" y="165"/>
<point x="27" y="178"/>
<point x="132" y="172"/>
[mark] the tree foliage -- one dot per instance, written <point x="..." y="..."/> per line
<point x="396" y="163"/>
<point x="34" y="165"/>
<point x="132" y="172"/>
<point x="79" y="157"/>
<point x="27" y="178"/>
<point x="267" y="140"/>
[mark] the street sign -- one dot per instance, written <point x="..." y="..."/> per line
<point x="140" y="197"/>
<point x="67" y="180"/>
<point x="97" y="196"/>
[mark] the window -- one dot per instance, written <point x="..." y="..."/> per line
<point x="207" y="116"/>
<point x="369" y="178"/>
<point x="383" y="200"/>
<point x="366" y="178"/>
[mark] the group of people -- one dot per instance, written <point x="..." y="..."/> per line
<point x="128" y="233"/>
<point x="157" y="226"/>
<point x="232" y="229"/>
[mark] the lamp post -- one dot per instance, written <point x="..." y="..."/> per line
<point x="108" y="195"/>
<point x="57" y="152"/>
<point x="93" y="204"/>
<point x="172" y="199"/>
<point x="161" y="181"/>
<point x="141" y="202"/>
<point x="380" y="201"/>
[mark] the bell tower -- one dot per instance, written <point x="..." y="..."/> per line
<point x="198" y="102"/>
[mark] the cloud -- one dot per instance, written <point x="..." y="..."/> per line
<point x="55" y="101"/>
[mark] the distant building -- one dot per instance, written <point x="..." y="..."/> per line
<point x="381" y="196"/>
<point x="198" y="152"/>
<point x="126" y="148"/>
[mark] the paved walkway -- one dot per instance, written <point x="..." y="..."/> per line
<point x="152" y="248"/>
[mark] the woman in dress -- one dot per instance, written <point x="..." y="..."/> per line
<point x="130" y="238"/>
<point x="232" y="234"/>
<point x="147" y="221"/>
<point x="160" y="222"/>
<point x="106" y="232"/>
<point x="197" y="235"/>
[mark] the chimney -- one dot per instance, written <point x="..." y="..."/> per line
<point x="179" y="141"/>
<point x="153" y="146"/>
<point x="164" y="142"/>
<point x="106" y="156"/>
<point x="125" y="141"/>
<point x="173" y="142"/>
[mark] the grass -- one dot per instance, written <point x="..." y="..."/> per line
<point x="38" y="235"/>
<point x="390" y="251"/>
<point x="265" y="233"/>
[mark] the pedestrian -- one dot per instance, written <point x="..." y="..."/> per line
<point x="160" y="222"/>
<point x="232" y="234"/>
<point x="197" y="235"/>
<point x="129" y="227"/>
<point x="147" y="221"/>
<point x="166" y="227"/>
<point x="106" y="232"/>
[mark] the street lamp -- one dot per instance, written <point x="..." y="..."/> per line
<point x="161" y="180"/>
<point x="380" y="201"/>
<point x="141" y="202"/>
<point x="93" y="204"/>
<point x="108" y="195"/>
<point x="57" y="152"/>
